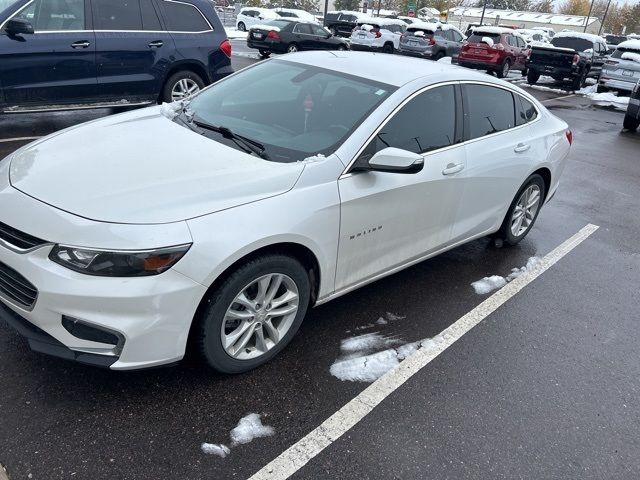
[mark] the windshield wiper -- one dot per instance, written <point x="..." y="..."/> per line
<point x="246" y="144"/>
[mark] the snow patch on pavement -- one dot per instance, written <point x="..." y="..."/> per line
<point x="249" y="428"/>
<point x="392" y="317"/>
<point x="366" y="342"/>
<point x="604" y="99"/>
<point x="235" y="33"/>
<point x="219" y="450"/>
<point x="494" y="282"/>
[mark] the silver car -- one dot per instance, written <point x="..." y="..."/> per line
<point x="431" y="40"/>
<point x="622" y="70"/>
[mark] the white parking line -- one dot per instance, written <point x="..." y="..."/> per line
<point x="299" y="454"/>
<point x="558" y="98"/>
<point x="18" y="139"/>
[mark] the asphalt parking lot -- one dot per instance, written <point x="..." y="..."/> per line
<point x="545" y="386"/>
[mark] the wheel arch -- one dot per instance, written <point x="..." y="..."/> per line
<point x="545" y="173"/>
<point x="187" y="65"/>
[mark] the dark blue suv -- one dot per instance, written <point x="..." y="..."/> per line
<point x="65" y="54"/>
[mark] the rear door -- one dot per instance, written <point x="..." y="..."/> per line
<point x="390" y="219"/>
<point x="57" y="64"/>
<point x="132" y="49"/>
<point x="499" y="155"/>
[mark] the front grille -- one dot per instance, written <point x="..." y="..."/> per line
<point x="19" y="240"/>
<point x="17" y="288"/>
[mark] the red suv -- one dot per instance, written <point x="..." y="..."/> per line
<point x="495" y="49"/>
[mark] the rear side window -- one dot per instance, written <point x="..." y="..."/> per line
<point x="150" y="19"/>
<point x="488" y="110"/>
<point x="117" y="15"/>
<point x="426" y="123"/>
<point x="456" y="36"/>
<point x="525" y="110"/>
<point x="184" y="17"/>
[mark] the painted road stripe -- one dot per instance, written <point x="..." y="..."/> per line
<point x="299" y="454"/>
<point x="18" y="139"/>
<point x="558" y="98"/>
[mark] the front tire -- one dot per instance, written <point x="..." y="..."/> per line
<point x="630" y="123"/>
<point x="254" y="314"/>
<point x="242" y="27"/>
<point x="523" y="211"/>
<point x="264" y="53"/>
<point x="182" y="85"/>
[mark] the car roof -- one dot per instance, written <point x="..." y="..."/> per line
<point x="393" y="70"/>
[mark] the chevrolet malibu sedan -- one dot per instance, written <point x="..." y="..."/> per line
<point x="221" y="221"/>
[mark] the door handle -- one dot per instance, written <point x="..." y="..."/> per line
<point x="81" y="44"/>
<point x="156" y="44"/>
<point x="521" y="148"/>
<point x="453" y="168"/>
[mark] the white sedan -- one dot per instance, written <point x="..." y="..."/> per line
<point x="290" y="183"/>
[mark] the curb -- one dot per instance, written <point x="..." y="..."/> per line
<point x="3" y="473"/>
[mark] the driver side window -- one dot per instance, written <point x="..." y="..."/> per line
<point x="54" y="15"/>
<point x="426" y="123"/>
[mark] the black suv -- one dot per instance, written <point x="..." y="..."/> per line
<point x="66" y="54"/>
<point x="341" y="23"/>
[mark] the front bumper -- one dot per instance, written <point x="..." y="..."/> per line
<point x="360" y="47"/>
<point x="150" y="315"/>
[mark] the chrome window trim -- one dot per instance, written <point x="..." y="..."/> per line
<point x="22" y="251"/>
<point x="346" y="173"/>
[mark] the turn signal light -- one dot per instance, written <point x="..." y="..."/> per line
<point x="576" y="59"/>
<point x="570" y="137"/>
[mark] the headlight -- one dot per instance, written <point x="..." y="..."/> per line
<point x="118" y="263"/>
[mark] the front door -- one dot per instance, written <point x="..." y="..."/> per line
<point x="132" y="49"/>
<point x="55" y="65"/>
<point x="389" y="219"/>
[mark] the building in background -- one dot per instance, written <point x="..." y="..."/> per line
<point x="463" y="16"/>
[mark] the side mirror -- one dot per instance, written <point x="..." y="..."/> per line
<point x="17" y="26"/>
<point x="396" y="160"/>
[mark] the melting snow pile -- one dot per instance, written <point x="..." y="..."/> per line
<point x="489" y="284"/>
<point x="215" y="449"/>
<point x="607" y="98"/>
<point x="248" y="428"/>
<point x="170" y="110"/>
<point x="445" y="60"/>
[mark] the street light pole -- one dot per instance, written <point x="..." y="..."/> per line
<point x="324" y="18"/>
<point x="484" y="7"/>
<point x="604" y="17"/>
<point x="586" y="23"/>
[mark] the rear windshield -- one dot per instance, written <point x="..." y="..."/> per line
<point x="577" y="44"/>
<point x="420" y="32"/>
<point x="278" y="23"/>
<point x="619" y="51"/>
<point x="477" y="37"/>
<point x="615" y="39"/>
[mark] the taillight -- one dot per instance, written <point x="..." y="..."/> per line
<point x="402" y="36"/>
<point x="576" y="59"/>
<point x="378" y="34"/>
<point x="570" y="137"/>
<point x="225" y="46"/>
<point x="273" y="35"/>
<point x="432" y="41"/>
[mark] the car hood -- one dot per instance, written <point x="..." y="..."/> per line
<point x="142" y="168"/>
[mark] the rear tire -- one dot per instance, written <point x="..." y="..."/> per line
<point x="178" y="82"/>
<point x="630" y="123"/>
<point x="293" y="48"/>
<point x="504" y="69"/>
<point x="438" y="56"/>
<point x="534" y="184"/>
<point x="264" y="53"/>
<point x="242" y="27"/>
<point x="601" y="89"/>
<point x="215" y="325"/>
<point x="580" y="81"/>
<point x="532" y="77"/>
<point x="387" y="48"/>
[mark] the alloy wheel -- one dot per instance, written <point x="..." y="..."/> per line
<point x="184" y="88"/>
<point x="260" y="316"/>
<point x="525" y="211"/>
<point x="292" y="48"/>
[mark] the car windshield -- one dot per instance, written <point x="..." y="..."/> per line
<point x="293" y="110"/>
<point x="577" y="44"/>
